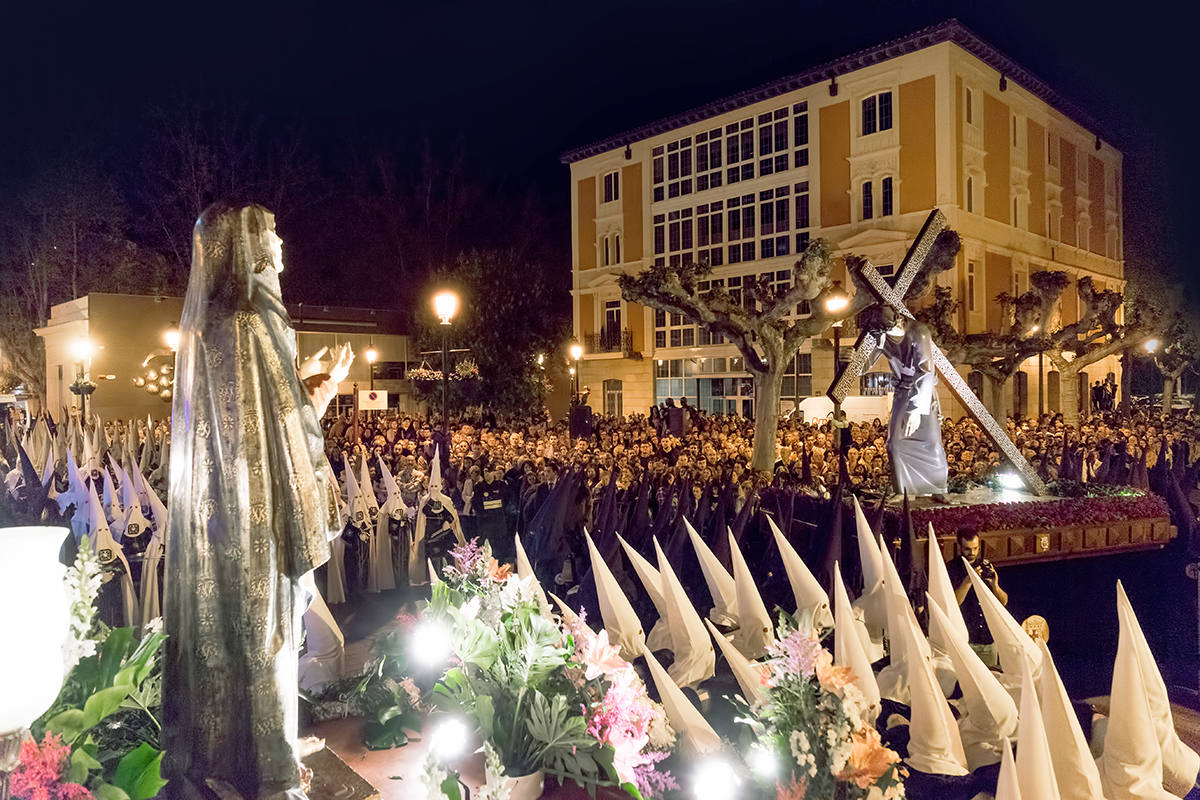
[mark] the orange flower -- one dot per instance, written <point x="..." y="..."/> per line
<point x="793" y="791"/>
<point x="499" y="572"/>
<point x="833" y="678"/>
<point x="869" y="759"/>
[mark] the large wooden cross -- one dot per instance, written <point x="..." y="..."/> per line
<point x="869" y="342"/>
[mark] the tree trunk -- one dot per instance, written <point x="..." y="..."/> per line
<point x="998" y="398"/>
<point x="766" y="415"/>
<point x="1126" y="382"/>
<point x="1168" y="393"/>
<point x="1068" y="395"/>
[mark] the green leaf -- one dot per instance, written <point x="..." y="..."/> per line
<point x="485" y="713"/>
<point x="113" y="651"/>
<point x="82" y="764"/>
<point x="104" y="702"/>
<point x="450" y="787"/>
<point x="70" y="724"/>
<point x="107" y="791"/>
<point x="139" y="773"/>
<point x="631" y="790"/>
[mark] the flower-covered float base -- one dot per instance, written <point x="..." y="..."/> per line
<point x="1109" y="521"/>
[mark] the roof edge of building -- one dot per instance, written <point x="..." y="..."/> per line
<point x="950" y="30"/>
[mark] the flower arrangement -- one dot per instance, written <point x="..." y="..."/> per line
<point x="102" y="734"/>
<point x="559" y="700"/>
<point x="466" y="370"/>
<point x="816" y="722"/>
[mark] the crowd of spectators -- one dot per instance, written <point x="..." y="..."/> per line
<point x="675" y="443"/>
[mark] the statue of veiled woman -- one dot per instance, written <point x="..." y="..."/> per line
<point x="252" y="508"/>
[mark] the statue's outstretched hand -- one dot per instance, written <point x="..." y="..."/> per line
<point x="342" y="360"/>
<point x="912" y="423"/>
<point x="313" y="365"/>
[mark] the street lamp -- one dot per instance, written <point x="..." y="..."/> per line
<point x="372" y="355"/>
<point x="1151" y="346"/>
<point x="576" y="351"/>
<point x="82" y="349"/>
<point x="445" y="305"/>
<point x="171" y="337"/>
<point x="836" y="301"/>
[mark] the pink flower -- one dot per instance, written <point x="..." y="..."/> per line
<point x="39" y="771"/>
<point x="601" y="658"/>
<point x="796" y="790"/>
<point x="798" y="653"/>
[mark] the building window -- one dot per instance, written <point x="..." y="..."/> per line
<point x="1016" y="219"/>
<point x="607" y="253"/>
<point x="797" y="380"/>
<point x="1014" y="129"/>
<point x="975" y="383"/>
<point x="969" y="107"/>
<point x="1051" y="149"/>
<point x="612" y="186"/>
<point x="877" y="113"/>
<point x="613" y="397"/>
<point x="885" y="198"/>
<point x="970" y="194"/>
<point x="616" y="248"/>
<point x="868" y="209"/>
<point x="972" y="269"/>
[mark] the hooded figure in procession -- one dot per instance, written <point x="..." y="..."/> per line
<point x="252" y="509"/>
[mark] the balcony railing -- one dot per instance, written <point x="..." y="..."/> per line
<point x="610" y="340"/>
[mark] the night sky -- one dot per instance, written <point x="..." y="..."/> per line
<point x="519" y="83"/>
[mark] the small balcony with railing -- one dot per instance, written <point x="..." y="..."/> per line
<point x="610" y="339"/>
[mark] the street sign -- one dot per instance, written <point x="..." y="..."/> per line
<point x="372" y="399"/>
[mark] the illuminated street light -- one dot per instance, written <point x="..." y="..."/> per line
<point x="576" y="351"/>
<point x="836" y="299"/>
<point x="171" y="337"/>
<point x="1152" y="345"/>
<point x="82" y="348"/>
<point x="445" y="305"/>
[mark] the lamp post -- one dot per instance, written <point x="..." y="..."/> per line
<point x="1041" y="371"/>
<point x="836" y="301"/>
<point x="576" y="351"/>
<point x="372" y="356"/>
<point x="445" y="305"/>
<point x="1151" y="346"/>
<point x="82" y="349"/>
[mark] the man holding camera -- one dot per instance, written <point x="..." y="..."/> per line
<point x="970" y="547"/>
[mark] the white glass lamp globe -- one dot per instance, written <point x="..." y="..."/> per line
<point x="445" y="305"/>
<point x="34" y="620"/>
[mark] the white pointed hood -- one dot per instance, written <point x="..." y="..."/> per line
<point x="749" y="674"/>
<point x="356" y="502"/>
<point x="525" y="572"/>
<point x="1035" y="769"/>
<point x="755" y="632"/>
<point x="659" y="637"/>
<point x="435" y="472"/>
<point x="810" y="597"/>
<point x="567" y="613"/>
<point x="695" y="659"/>
<point x="991" y="716"/>
<point x="108" y="550"/>
<point x="620" y="620"/>
<point x="685" y="718"/>
<point x="941" y="593"/>
<point x="1131" y="766"/>
<point x="157" y="509"/>
<point x="393" y="503"/>
<point x="1180" y="762"/>
<point x="1013" y="644"/>
<point x="112" y="504"/>
<point x="934" y="745"/>
<point x="720" y="583"/>
<point x="1074" y="768"/>
<point x="434" y="580"/>
<point x="367" y="489"/>
<point x="872" y="601"/>
<point x="1007" y="786"/>
<point x="893" y="679"/>
<point x="848" y="647"/>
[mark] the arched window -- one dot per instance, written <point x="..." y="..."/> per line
<point x="975" y="382"/>
<point x="868" y="203"/>
<point x="886" y="198"/>
<point x="1020" y="394"/>
<point x="613" y="397"/>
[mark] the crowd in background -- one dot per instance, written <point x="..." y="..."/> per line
<point x="677" y="444"/>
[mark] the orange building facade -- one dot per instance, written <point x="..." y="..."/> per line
<point x="856" y="152"/>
